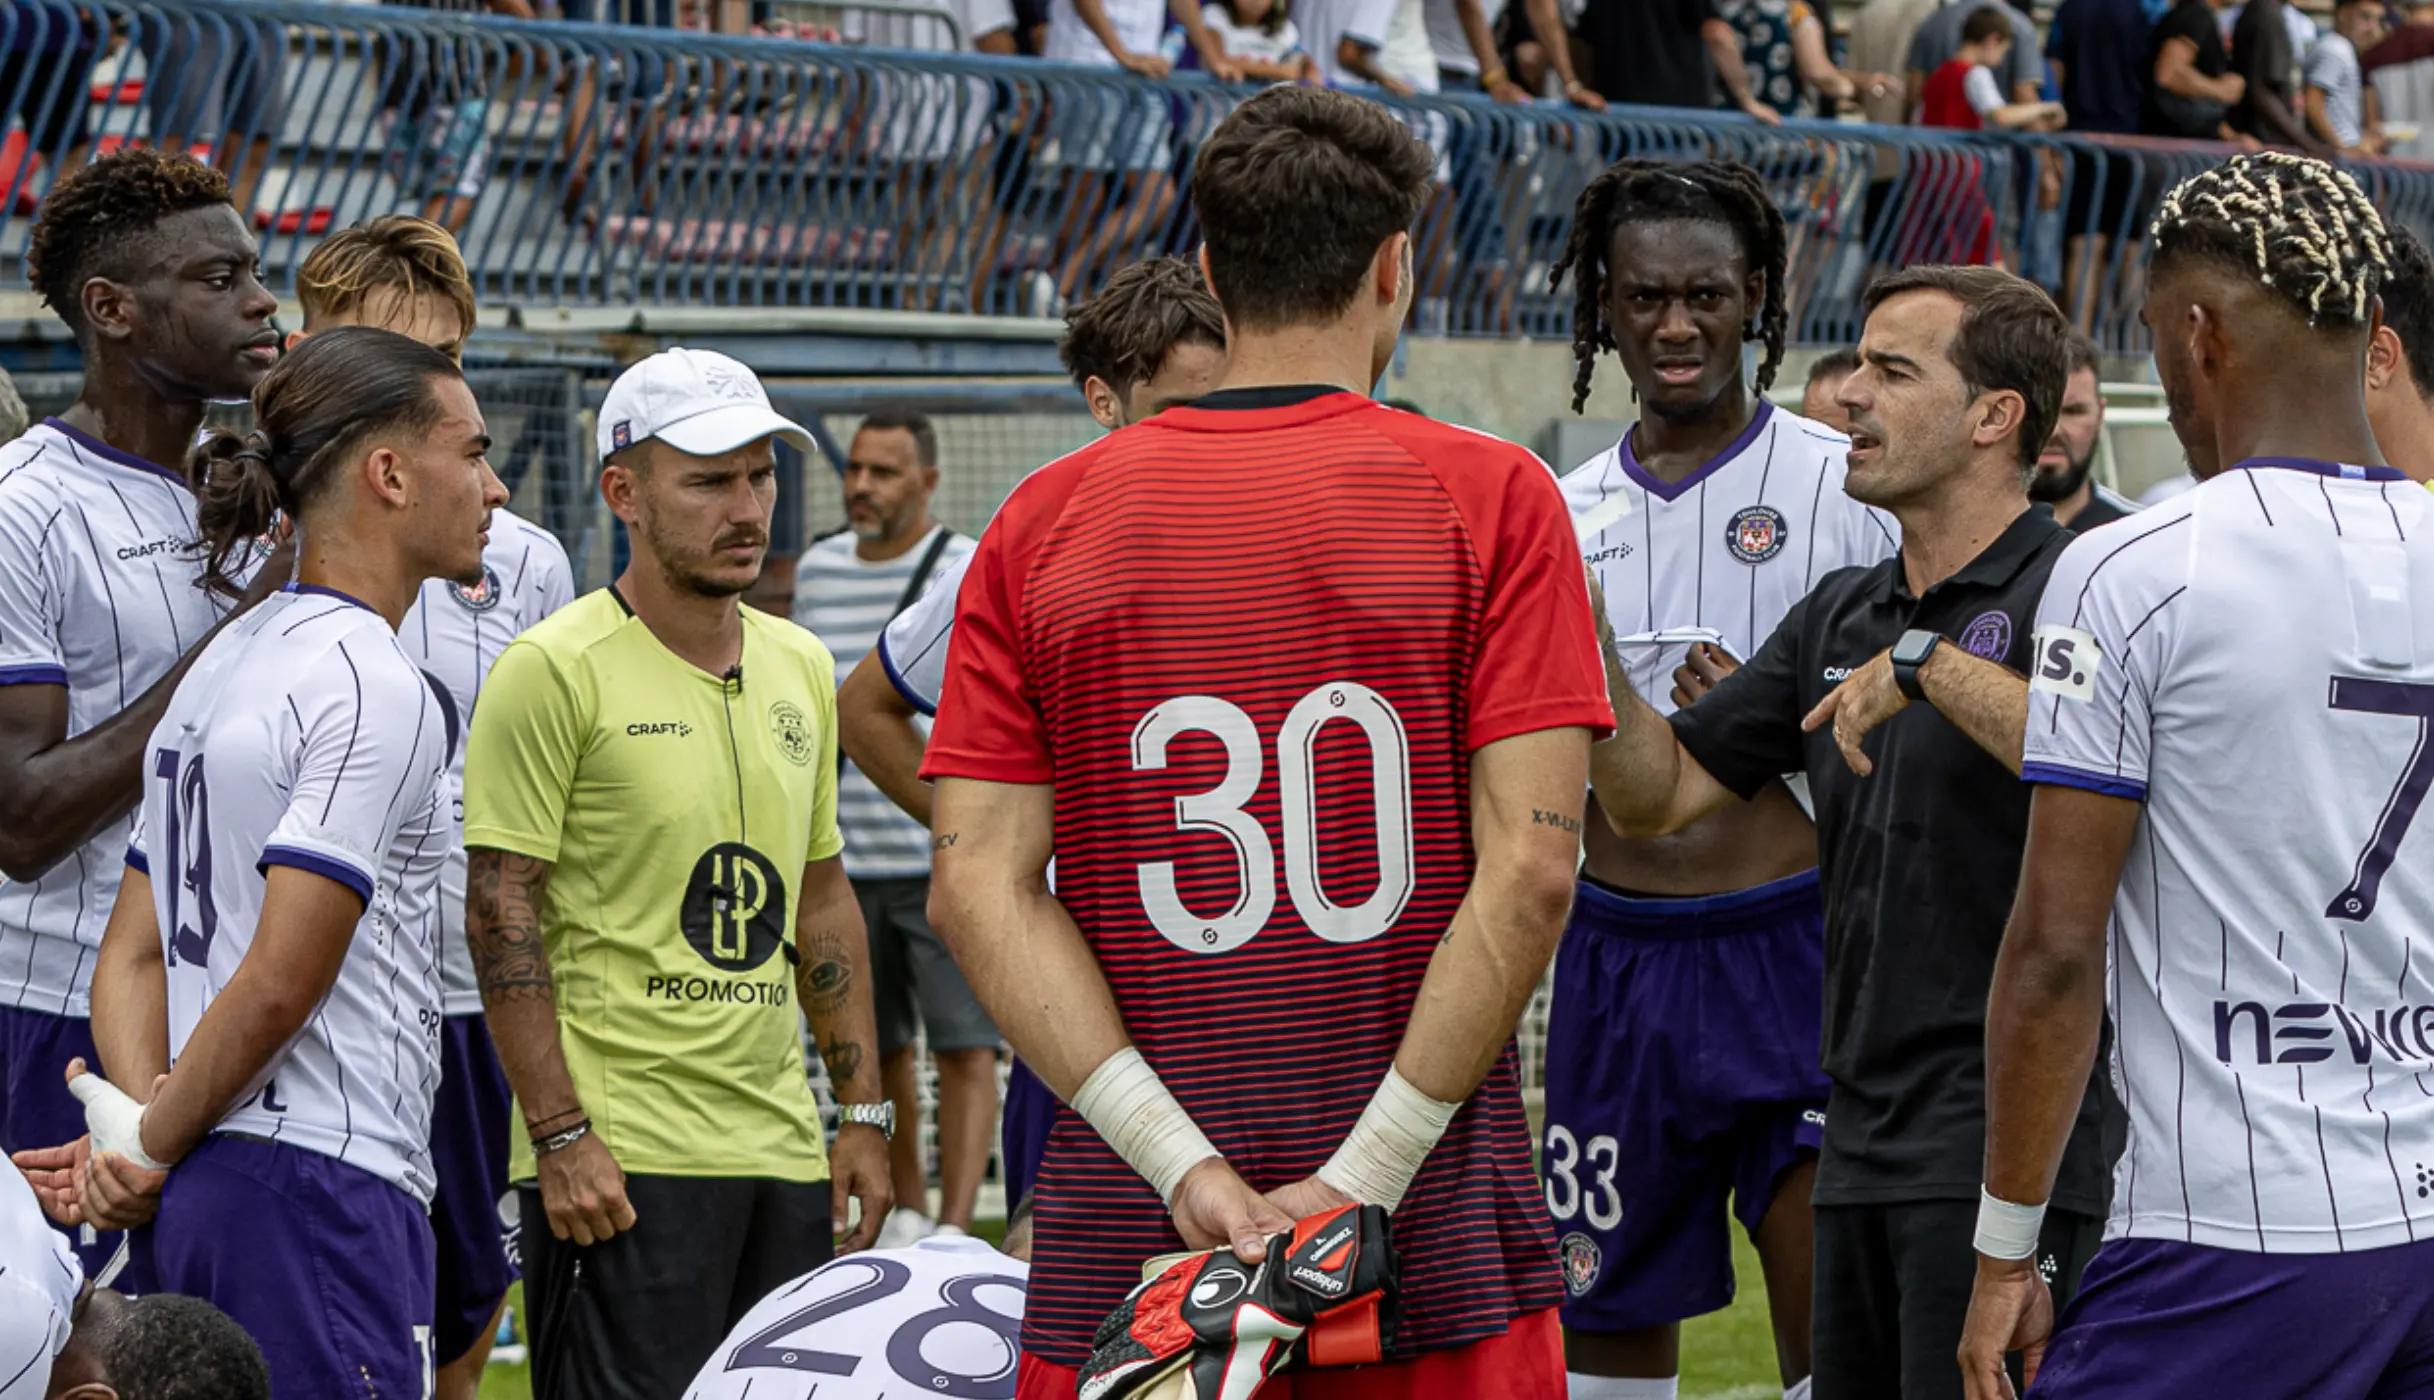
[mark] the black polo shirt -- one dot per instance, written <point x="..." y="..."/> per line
<point x="1919" y="861"/>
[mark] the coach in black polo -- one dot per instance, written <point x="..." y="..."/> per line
<point x="1898" y="690"/>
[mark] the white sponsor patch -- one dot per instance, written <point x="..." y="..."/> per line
<point x="2067" y="662"/>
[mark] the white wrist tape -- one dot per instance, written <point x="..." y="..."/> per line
<point x="1125" y="1100"/>
<point x="2006" y="1230"/>
<point x="115" y="1121"/>
<point x="1385" y="1148"/>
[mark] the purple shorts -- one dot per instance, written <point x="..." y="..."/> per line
<point x="469" y="1126"/>
<point x="2159" y="1317"/>
<point x="1030" y="1112"/>
<point x="327" y="1266"/>
<point x="1682" y="1083"/>
<point x="36" y="1110"/>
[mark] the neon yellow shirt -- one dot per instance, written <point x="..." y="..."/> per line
<point x="677" y="810"/>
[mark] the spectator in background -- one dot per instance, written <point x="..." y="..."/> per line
<point x="1259" y="38"/>
<point x="2342" y="111"/>
<point x="2400" y="360"/>
<point x="2099" y="54"/>
<point x="2267" y="62"/>
<point x="2400" y="68"/>
<point x="2194" y="86"/>
<point x="847" y="587"/>
<point x="1547" y="59"/>
<point x="2019" y="77"/>
<point x="1880" y="43"/>
<point x="51" y="45"/>
<point x="1783" y="52"/>
<point x="1125" y="33"/>
<point x="435" y="96"/>
<point x="1462" y="36"/>
<point x="2064" y="469"/>
<point x="1963" y="94"/>
<point x="1826" y="373"/>
<point x="1658" y="53"/>
<point x="217" y="81"/>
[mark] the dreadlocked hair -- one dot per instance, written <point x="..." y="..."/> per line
<point x="2302" y="227"/>
<point x="98" y="221"/>
<point x="1645" y="191"/>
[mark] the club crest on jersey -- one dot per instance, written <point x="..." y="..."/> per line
<point x="792" y="731"/>
<point x="478" y="597"/>
<point x="1582" y="1261"/>
<point x="1756" y="534"/>
<point x="1988" y="635"/>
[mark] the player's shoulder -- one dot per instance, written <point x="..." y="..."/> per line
<point x="2153" y="547"/>
<point x="1596" y="478"/>
<point x="1451" y="447"/>
<point x="33" y="472"/>
<point x="791" y="640"/>
<point x="517" y="540"/>
<point x="326" y="642"/>
<point x="564" y="639"/>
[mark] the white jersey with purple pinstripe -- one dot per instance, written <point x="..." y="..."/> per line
<point x="454" y="632"/>
<point x="98" y="593"/>
<point x="306" y="737"/>
<point x="1727" y="549"/>
<point x="2254" y="661"/>
<point x="913" y="649"/>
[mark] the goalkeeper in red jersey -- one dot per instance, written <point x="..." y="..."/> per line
<point x="1298" y="691"/>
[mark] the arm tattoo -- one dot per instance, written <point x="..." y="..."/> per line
<point x="825" y="977"/>
<point x="503" y="925"/>
<point x="1558" y="820"/>
<point x="943" y="840"/>
<point x="843" y="1058"/>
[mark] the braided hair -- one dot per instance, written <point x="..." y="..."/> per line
<point x="1646" y="191"/>
<point x="2302" y="227"/>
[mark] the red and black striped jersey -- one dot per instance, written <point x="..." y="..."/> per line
<point x="1253" y="644"/>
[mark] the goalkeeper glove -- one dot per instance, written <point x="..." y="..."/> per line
<point x="1207" y="1326"/>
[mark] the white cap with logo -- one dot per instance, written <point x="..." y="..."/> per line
<point x="696" y="401"/>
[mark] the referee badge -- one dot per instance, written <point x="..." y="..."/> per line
<point x="1756" y="534"/>
<point x="792" y="731"/>
<point x="478" y="597"/>
<point x="1582" y="1262"/>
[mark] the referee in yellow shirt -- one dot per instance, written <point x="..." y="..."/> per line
<point x="654" y="890"/>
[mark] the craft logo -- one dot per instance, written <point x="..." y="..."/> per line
<point x="1756" y="534"/>
<point x="1988" y="636"/>
<point x="1581" y="1261"/>
<point x="478" y="597"/>
<point x="792" y="731"/>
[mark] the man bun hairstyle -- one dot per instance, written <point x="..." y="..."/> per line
<point x="1295" y="191"/>
<point x="322" y="400"/>
<point x="2012" y="338"/>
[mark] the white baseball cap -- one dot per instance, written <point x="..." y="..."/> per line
<point x="696" y="401"/>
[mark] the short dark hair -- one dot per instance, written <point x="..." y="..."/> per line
<point x="2083" y="355"/>
<point x="97" y="222"/>
<point x="905" y="420"/>
<point x="1295" y="191"/>
<point x="2011" y="337"/>
<point x="1124" y="333"/>
<point x="1985" y="22"/>
<point x="1840" y="363"/>
<point x="171" y="1347"/>
<point x="1646" y="190"/>
<point x="2408" y="305"/>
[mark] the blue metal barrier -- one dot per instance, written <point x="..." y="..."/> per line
<point x="589" y="165"/>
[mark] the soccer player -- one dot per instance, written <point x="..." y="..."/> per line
<point x="62" y="1338"/>
<point x="1151" y="339"/>
<point x="2400" y="360"/>
<point x="657" y="907"/>
<point x="2063" y="468"/>
<point x="404" y="274"/>
<point x="2252" y="648"/>
<point x="941" y="1316"/>
<point x="1300" y="700"/>
<point x="272" y="993"/>
<point x="144" y="259"/>
<point x="1826" y="374"/>
<point x="1703" y="525"/>
<point x="1961" y="373"/>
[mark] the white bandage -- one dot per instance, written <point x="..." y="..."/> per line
<point x="1385" y="1148"/>
<point x="1125" y="1100"/>
<point x="2005" y="1230"/>
<point x="115" y="1121"/>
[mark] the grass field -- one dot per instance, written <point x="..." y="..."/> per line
<point x="1726" y="1356"/>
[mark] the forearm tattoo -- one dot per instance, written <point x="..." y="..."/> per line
<point x="503" y="925"/>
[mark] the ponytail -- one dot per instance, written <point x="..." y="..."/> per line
<point x="237" y="500"/>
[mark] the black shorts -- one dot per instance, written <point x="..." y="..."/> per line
<point x="1892" y="1286"/>
<point x="2110" y="195"/>
<point x="635" y="1318"/>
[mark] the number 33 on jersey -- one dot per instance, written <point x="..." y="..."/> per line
<point x="940" y="1318"/>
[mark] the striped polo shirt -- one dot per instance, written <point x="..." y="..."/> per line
<point x="846" y="601"/>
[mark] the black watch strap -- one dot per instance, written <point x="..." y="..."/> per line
<point x="1910" y="654"/>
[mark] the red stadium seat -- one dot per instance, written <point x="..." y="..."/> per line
<point x="316" y="220"/>
<point x="124" y="93"/>
<point x="17" y="163"/>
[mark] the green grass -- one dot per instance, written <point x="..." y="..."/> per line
<point x="1725" y="1356"/>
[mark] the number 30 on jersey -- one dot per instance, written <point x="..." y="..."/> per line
<point x="1220" y="810"/>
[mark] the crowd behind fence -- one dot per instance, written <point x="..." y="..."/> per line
<point x="590" y="165"/>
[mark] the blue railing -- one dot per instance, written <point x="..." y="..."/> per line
<point x="606" y="166"/>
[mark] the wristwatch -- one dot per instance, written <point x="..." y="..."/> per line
<point x="870" y="1115"/>
<point x="1910" y="653"/>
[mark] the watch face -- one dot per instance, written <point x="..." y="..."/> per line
<point x="1913" y="647"/>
